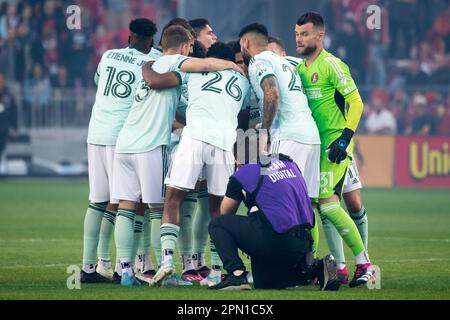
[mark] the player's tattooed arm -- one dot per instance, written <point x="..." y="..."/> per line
<point x="159" y="80"/>
<point x="271" y="95"/>
<point x="209" y="65"/>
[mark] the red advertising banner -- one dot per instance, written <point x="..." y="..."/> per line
<point x="422" y="162"/>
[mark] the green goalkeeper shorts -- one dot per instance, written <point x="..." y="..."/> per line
<point x="332" y="176"/>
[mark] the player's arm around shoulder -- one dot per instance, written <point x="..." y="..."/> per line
<point x="209" y="65"/>
<point x="159" y="80"/>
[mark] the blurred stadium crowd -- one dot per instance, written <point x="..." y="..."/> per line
<point x="403" y="70"/>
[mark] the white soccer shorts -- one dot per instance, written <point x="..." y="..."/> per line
<point x="307" y="158"/>
<point x="194" y="155"/>
<point x="353" y="182"/>
<point x="140" y="176"/>
<point x="100" y="168"/>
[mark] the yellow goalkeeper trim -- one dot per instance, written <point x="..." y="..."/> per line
<point x="354" y="111"/>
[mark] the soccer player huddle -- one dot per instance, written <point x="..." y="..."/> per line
<point x="162" y="137"/>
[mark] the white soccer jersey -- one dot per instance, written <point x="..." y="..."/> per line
<point x="293" y="120"/>
<point x="294" y="61"/>
<point x="117" y="76"/>
<point x="251" y="104"/>
<point x="215" y="99"/>
<point x="149" y="121"/>
<point x="155" y="53"/>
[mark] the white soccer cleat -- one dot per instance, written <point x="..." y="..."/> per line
<point x="165" y="270"/>
<point x="211" y="280"/>
<point x="104" y="268"/>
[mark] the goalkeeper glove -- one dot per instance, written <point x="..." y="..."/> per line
<point x="337" y="150"/>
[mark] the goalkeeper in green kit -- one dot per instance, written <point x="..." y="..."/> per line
<point x="329" y="87"/>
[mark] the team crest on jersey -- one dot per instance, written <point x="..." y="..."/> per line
<point x="314" y="77"/>
<point x="260" y="69"/>
<point x="343" y="80"/>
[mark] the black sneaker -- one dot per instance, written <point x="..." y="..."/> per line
<point x="327" y="274"/>
<point x="116" y="278"/>
<point x="232" y="282"/>
<point x="93" y="277"/>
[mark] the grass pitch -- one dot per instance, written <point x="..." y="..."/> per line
<point x="41" y="232"/>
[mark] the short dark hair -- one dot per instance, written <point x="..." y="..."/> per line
<point x="174" y="36"/>
<point x="143" y="27"/>
<point x="237" y="47"/>
<point x="198" y="24"/>
<point x="178" y="22"/>
<point x="313" y="17"/>
<point x="221" y="50"/>
<point x="199" y="50"/>
<point x="255" y="28"/>
<point x="278" y="41"/>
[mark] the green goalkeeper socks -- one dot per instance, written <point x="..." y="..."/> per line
<point x="92" y="223"/>
<point x="315" y="236"/>
<point x="360" y="219"/>
<point x="345" y="226"/>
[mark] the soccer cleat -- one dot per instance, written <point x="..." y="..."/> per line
<point x="211" y="280"/>
<point x="165" y="270"/>
<point x="191" y="276"/>
<point x="147" y="276"/>
<point x="204" y="271"/>
<point x="232" y="282"/>
<point x="116" y="278"/>
<point x="105" y="270"/>
<point x="93" y="277"/>
<point x="343" y="275"/>
<point x="175" y="280"/>
<point x="129" y="281"/>
<point x="327" y="274"/>
<point x="363" y="273"/>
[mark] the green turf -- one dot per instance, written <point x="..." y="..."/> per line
<point x="41" y="226"/>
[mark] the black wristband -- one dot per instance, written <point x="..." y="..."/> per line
<point x="347" y="134"/>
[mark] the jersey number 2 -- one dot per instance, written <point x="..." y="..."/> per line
<point x="293" y="86"/>
<point x="231" y="87"/>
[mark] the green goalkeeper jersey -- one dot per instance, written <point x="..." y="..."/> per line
<point x="328" y="84"/>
